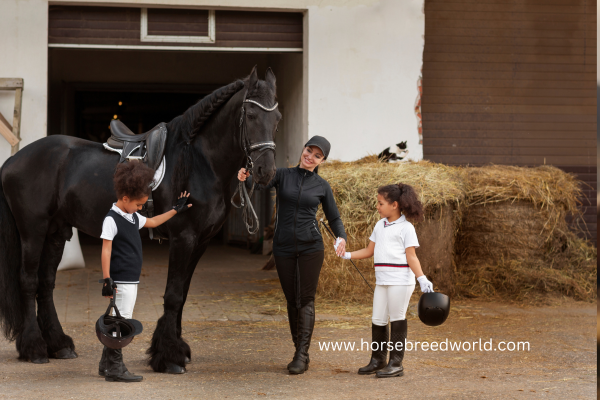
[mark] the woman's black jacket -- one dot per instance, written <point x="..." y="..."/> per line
<point x="299" y="193"/>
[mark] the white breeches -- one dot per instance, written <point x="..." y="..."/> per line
<point x="125" y="299"/>
<point x="391" y="301"/>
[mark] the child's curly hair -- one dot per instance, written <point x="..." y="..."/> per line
<point x="407" y="200"/>
<point x="133" y="179"/>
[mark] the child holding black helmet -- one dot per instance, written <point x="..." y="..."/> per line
<point x="122" y="252"/>
<point x="393" y="244"/>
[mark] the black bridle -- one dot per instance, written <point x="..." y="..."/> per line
<point x="252" y="224"/>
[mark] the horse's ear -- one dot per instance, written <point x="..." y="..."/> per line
<point x="253" y="79"/>
<point x="271" y="80"/>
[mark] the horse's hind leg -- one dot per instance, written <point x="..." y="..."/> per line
<point x="58" y="343"/>
<point x="30" y="343"/>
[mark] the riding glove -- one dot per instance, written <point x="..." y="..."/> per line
<point x="346" y="255"/>
<point x="107" y="288"/>
<point x="181" y="205"/>
<point x="426" y="285"/>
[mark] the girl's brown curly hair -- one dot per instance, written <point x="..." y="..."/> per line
<point x="407" y="200"/>
<point x="133" y="179"/>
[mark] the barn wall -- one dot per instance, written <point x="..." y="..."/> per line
<point x="512" y="82"/>
<point x="24" y="54"/>
<point x="360" y="64"/>
<point x="121" y="26"/>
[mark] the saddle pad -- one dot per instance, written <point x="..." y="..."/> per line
<point x="158" y="175"/>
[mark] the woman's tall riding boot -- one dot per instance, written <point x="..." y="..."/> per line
<point x="293" y="321"/>
<point x="378" y="357"/>
<point x="398" y="340"/>
<point x="306" y="324"/>
<point x="116" y="371"/>
<point x="102" y="363"/>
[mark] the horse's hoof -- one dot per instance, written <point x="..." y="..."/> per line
<point x="187" y="360"/>
<point x="175" y="369"/>
<point x="65" y="354"/>
<point x="41" y="360"/>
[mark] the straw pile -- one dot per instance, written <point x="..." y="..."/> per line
<point x="441" y="190"/>
<point x="489" y="231"/>
<point x="514" y="238"/>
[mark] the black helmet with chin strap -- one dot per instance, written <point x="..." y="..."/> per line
<point x="433" y="308"/>
<point x="116" y="332"/>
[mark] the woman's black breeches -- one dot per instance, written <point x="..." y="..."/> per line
<point x="299" y="277"/>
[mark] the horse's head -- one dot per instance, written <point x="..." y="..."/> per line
<point x="261" y="119"/>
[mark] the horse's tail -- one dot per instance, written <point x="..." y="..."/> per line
<point x="11" y="316"/>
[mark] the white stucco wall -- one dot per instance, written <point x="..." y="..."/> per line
<point x="363" y="67"/>
<point x="361" y="63"/>
<point x="24" y="54"/>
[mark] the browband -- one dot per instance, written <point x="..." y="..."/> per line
<point x="261" y="106"/>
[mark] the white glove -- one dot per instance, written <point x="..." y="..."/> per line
<point x="426" y="286"/>
<point x="346" y="255"/>
<point x="337" y="243"/>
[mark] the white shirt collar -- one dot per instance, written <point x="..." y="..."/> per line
<point x="387" y="223"/>
<point x="128" y="217"/>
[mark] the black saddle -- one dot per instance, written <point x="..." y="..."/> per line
<point x="148" y="147"/>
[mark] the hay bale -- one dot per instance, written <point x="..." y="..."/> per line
<point x="491" y="232"/>
<point x="437" y="236"/>
<point x="514" y="240"/>
<point x="488" y="231"/>
<point x="441" y="190"/>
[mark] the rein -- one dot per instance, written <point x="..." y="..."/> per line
<point x="248" y="212"/>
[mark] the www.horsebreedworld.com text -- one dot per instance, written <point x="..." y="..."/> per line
<point x="478" y="345"/>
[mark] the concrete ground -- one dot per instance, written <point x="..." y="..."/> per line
<point x="241" y="344"/>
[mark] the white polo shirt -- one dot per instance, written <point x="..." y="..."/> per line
<point x="391" y="240"/>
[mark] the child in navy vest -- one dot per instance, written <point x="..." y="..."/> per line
<point x="122" y="251"/>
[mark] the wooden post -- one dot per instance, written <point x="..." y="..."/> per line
<point x="17" y="119"/>
<point x="12" y="134"/>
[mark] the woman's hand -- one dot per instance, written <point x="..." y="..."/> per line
<point x="340" y="247"/>
<point x="243" y="174"/>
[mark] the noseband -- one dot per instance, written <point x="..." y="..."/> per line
<point x="252" y="223"/>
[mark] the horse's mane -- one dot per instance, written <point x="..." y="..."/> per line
<point x="187" y="127"/>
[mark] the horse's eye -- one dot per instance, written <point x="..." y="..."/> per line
<point x="251" y="116"/>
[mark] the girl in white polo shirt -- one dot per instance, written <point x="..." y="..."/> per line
<point x="393" y="244"/>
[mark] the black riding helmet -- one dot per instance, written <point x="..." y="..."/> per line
<point x="433" y="308"/>
<point x="114" y="331"/>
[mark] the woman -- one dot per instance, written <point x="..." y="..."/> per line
<point x="298" y="245"/>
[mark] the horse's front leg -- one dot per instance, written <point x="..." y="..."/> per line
<point x="168" y="351"/>
<point x="59" y="344"/>
<point x="191" y="267"/>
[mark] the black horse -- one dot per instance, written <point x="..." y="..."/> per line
<point x="59" y="182"/>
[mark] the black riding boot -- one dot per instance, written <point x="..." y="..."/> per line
<point x="116" y="371"/>
<point x="306" y="324"/>
<point x="293" y="321"/>
<point x="378" y="357"/>
<point x="397" y="336"/>
<point x="102" y="363"/>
